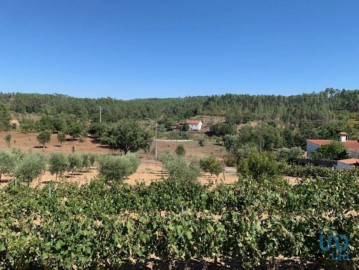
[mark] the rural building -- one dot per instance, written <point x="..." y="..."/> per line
<point x="351" y="145"/>
<point x="347" y="164"/>
<point x="194" y="124"/>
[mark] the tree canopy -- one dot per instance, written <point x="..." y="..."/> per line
<point x="333" y="151"/>
<point x="127" y="136"/>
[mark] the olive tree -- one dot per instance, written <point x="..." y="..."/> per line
<point x="134" y="161"/>
<point x="117" y="168"/>
<point x="58" y="164"/>
<point x="30" y="167"/>
<point x="7" y="163"/>
<point x="74" y="162"/>
<point x="61" y="137"/>
<point x="179" y="169"/>
<point x="86" y="163"/>
<point x="44" y="137"/>
<point x="212" y="165"/>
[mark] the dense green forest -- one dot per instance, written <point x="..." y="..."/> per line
<point x="317" y="107"/>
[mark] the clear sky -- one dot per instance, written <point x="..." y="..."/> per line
<point x="171" y="48"/>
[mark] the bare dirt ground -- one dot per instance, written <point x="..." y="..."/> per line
<point x="152" y="170"/>
<point x="27" y="142"/>
<point x="148" y="171"/>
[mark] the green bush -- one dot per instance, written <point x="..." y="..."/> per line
<point x="180" y="151"/>
<point x="212" y="165"/>
<point x="178" y="169"/>
<point x="258" y="164"/>
<point x="290" y="154"/>
<point x="117" y="168"/>
<point x="202" y="142"/>
<point x="134" y="162"/>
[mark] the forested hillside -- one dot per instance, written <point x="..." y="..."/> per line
<point x="318" y="107"/>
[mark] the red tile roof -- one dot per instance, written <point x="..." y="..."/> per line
<point x="349" y="144"/>
<point x="319" y="142"/>
<point x="349" y="161"/>
<point x="193" y="122"/>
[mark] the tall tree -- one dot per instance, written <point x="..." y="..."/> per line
<point x="5" y="117"/>
<point x="127" y="136"/>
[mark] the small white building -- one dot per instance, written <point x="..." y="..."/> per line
<point x="347" y="164"/>
<point x="194" y="124"/>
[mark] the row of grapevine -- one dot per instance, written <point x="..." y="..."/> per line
<point x="252" y="221"/>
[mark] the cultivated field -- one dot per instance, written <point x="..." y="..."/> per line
<point x="149" y="170"/>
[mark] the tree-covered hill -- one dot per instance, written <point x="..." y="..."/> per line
<point x="317" y="107"/>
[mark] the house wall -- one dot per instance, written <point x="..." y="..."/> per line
<point x="353" y="153"/>
<point x="311" y="147"/>
<point x="343" y="166"/>
<point x="195" y="127"/>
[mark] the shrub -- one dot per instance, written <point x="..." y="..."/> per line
<point x="178" y="169"/>
<point x="212" y="165"/>
<point x="333" y="151"/>
<point x="290" y="154"/>
<point x="258" y="164"/>
<point x="201" y="142"/>
<point x="222" y="129"/>
<point x="117" y="168"/>
<point x="8" y="139"/>
<point x="93" y="159"/>
<point x="185" y="127"/>
<point x="180" y="151"/>
<point x="134" y="162"/>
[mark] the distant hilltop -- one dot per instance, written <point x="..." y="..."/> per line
<point x="239" y="108"/>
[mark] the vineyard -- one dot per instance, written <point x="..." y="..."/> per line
<point x="250" y="223"/>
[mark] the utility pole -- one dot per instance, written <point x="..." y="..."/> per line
<point x="100" y="113"/>
<point x="156" y="143"/>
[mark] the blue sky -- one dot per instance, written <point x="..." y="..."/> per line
<point x="139" y="49"/>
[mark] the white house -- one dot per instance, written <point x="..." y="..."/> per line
<point x="351" y="146"/>
<point x="347" y="164"/>
<point x="194" y="124"/>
